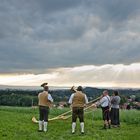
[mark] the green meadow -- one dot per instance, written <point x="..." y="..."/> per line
<point x="16" y="124"/>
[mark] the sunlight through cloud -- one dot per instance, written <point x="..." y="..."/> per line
<point x="109" y="75"/>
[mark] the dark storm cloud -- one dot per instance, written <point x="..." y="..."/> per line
<point x="36" y="35"/>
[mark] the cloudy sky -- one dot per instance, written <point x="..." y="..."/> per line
<point x="70" y="42"/>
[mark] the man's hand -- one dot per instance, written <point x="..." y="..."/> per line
<point x="85" y="105"/>
<point x="94" y="105"/>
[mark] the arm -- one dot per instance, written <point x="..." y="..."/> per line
<point x="38" y="95"/>
<point x="102" y="100"/>
<point x="113" y="101"/>
<point x="86" y="99"/>
<point x="71" y="98"/>
<point x="50" y="98"/>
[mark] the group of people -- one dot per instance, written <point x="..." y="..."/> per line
<point x="78" y="100"/>
<point x="110" y="109"/>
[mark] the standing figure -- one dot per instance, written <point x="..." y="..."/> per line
<point x="115" y="101"/>
<point x="78" y="101"/>
<point x="45" y="101"/>
<point x="105" y="105"/>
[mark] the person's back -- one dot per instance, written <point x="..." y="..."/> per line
<point x="115" y="102"/>
<point x="78" y="99"/>
<point x="43" y="99"/>
<point x="44" y="102"/>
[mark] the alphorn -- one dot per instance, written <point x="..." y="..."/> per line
<point x="68" y="116"/>
<point x="71" y="110"/>
<point x="73" y="88"/>
<point x="61" y="116"/>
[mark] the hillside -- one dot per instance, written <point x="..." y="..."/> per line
<point x="15" y="123"/>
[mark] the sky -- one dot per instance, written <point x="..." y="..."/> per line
<point x="70" y="42"/>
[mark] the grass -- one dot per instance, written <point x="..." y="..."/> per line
<point x="15" y="123"/>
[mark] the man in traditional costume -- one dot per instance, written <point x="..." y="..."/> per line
<point x="45" y="101"/>
<point x="105" y="103"/>
<point x="78" y="100"/>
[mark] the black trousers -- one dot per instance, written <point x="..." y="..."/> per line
<point x="43" y="113"/>
<point x="115" y="120"/>
<point x="78" y="112"/>
<point x="106" y="113"/>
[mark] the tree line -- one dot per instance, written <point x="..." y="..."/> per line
<point x="16" y="97"/>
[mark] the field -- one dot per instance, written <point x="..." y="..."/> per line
<point x="16" y="124"/>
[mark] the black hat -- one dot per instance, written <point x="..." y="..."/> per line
<point x="80" y="88"/>
<point x="44" y="84"/>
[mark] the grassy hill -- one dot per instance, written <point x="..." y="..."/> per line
<point x="15" y="124"/>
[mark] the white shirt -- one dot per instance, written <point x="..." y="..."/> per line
<point x="104" y="102"/>
<point x="50" y="98"/>
<point x="71" y="98"/>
